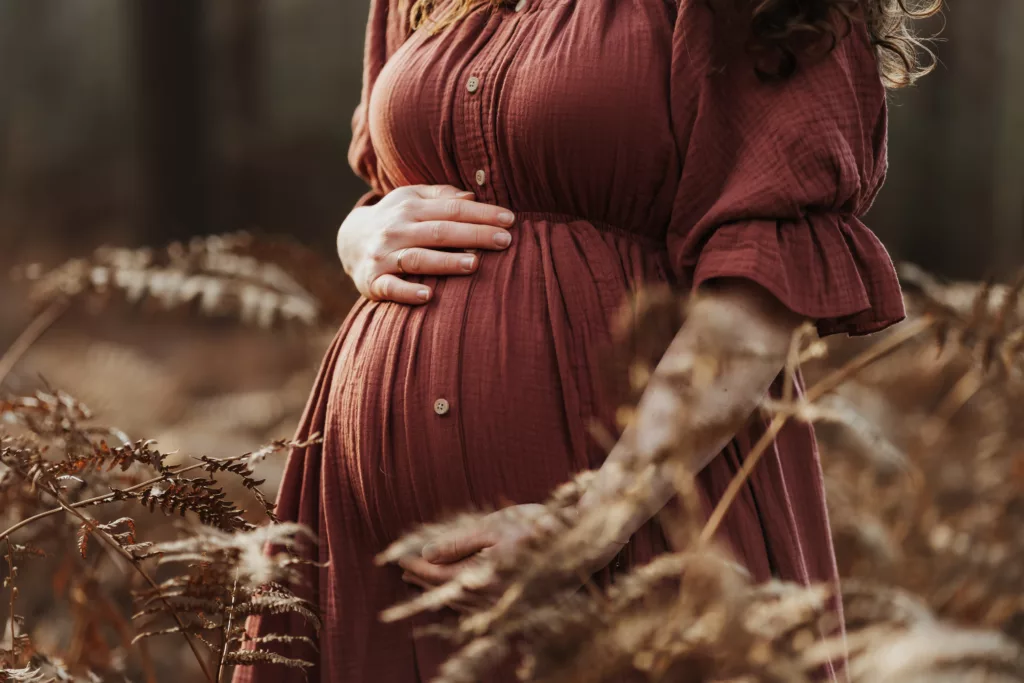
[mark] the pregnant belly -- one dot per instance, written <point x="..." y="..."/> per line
<point x="484" y="396"/>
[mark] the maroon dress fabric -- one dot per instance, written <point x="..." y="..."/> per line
<point x="634" y="150"/>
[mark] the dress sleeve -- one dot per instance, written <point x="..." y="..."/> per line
<point x="386" y="30"/>
<point x="778" y="173"/>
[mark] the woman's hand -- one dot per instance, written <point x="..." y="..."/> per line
<point x="401" y="235"/>
<point x="498" y="537"/>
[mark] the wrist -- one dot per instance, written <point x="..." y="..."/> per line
<point x="606" y="557"/>
<point x="612" y="491"/>
<point x="343" y="239"/>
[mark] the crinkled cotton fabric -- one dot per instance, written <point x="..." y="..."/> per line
<point x="635" y="150"/>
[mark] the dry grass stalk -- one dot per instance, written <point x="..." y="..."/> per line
<point x="987" y="321"/>
<point x="942" y="517"/>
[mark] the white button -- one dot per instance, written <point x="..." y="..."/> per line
<point x="481" y="177"/>
<point x="473" y="84"/>
<point x="520" y="5"/>
<point x="441" y="406"/>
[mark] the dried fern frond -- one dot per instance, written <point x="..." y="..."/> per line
<point x="935" y="653"/>
<point x="242" y="552"/>
<point x="946" y="524"/>
<point x="213" y="275"/>
<point x="242" y="657"/>
<point x="50" y="448"/>
<point x="28" y="674"/>
<point x="58" y="423"/>
<point x="226" y="577"/>
<point x="986" y="320"/>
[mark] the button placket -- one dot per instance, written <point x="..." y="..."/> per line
<point x="475" y="111"/>
<point x="472" y="130"/>
<point x="471" y="85"/>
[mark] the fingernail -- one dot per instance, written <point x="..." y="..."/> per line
<point x="507" y="217"/>
<point x="503" y="239"/>
<point x="423" y="294"/>
<point x="468" y="262"/>
<point x="465" y="195"/>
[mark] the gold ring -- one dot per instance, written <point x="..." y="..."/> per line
<point x="401" y="253"/>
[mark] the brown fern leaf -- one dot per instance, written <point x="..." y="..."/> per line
<point x="984" y="320"/>
<point x="944" y="525"/>
<point x="934" y="653"/>
<point x="19" y="654"/>
<point x="179" y="495"/>
<point x="250" y="657"/>
<point x="243" y="470"/>
<point x="123" y="457"/>
<point x="22" y="551"/>
<point x="61" y="425"/>
<point x="319" y="276"/>
<point x="225" y="577"/>
<point x="126" y="538"/>
<point x="161" y="599"/>
<point x="208" y="274"/>
<point x="28" y="674"/>
<point x="261" y="454"/>
<point x="54" y="417"/>
<point x="154" y="634"/>
<point x="240" y="636"/>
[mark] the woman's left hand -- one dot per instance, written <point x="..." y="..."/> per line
<point x="497" y="536"/>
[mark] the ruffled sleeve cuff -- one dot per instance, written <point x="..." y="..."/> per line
<point x="829" y="268"/>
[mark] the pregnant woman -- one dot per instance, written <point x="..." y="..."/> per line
<point x="531" y="164"/>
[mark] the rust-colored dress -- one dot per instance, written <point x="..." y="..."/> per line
<point x="632" y="153"/>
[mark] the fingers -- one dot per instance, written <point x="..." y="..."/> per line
<point x="440" y="192"/>
<point x="428" y="572"/>
<point x="409" y="577"/>
<point x="424" y="231"/>
<point x="419" y="261"/>
<point x="457" y="235"/>
<point x="390" y="287"/>
<point x="454" y="209"/>
<point x="457" y="547"/>
<point x="467" y="604"/>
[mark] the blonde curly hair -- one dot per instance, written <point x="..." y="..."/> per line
<point x="786" y="28"/>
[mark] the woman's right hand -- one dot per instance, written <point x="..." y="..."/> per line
<point x="401" y="233"/>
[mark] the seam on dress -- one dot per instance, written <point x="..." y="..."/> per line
<point x="654" y="242"/>
<point x="460" y="375"/>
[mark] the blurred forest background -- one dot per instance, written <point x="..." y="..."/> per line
<point x="139" y="122"/>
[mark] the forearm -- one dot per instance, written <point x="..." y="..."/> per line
<point x="717" y="369"/>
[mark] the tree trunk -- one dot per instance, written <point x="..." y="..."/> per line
<point x="171" y="98"/>
<point x="1008" y="208"/>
